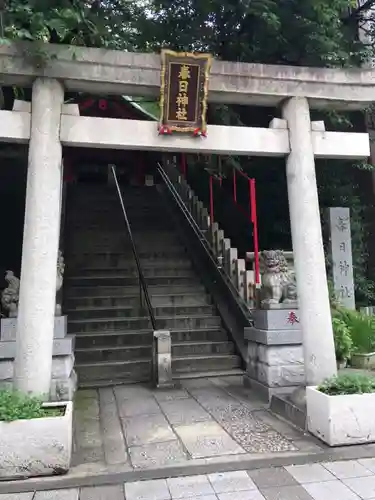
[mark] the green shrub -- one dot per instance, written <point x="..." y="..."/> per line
<point x="362" y="329"/>
<point x="17" y="406"/>
<point x="348" y="384"/>
<point x="342" y="338"/>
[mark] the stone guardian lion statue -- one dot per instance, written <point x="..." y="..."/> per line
<point x="278" y="281"/>
<point x="10" y="296"/>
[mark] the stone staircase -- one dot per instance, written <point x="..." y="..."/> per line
<point x="102" y="294"/>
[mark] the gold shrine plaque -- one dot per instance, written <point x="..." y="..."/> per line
<point x="184" y="91"/>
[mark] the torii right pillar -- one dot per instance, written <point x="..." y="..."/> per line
<point x="314" y="304"/>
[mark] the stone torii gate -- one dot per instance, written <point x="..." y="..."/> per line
<point x="48" y="124"/>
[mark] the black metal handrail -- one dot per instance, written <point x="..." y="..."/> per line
<point x="199" y="235"/>
<point x="141" y="277"/>
<point x="219" y="277"/>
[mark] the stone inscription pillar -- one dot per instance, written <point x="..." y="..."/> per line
<point x="341" y="255"/>
<point x="35" y="327"/>
<point x="315" y="313"/>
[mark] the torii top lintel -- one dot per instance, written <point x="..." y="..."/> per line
<point x="101" y="71"/>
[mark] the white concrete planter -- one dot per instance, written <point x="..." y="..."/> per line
<point x="37" y="447"/>
<point x="364" y="361"/>
<point x="341" y="420"/>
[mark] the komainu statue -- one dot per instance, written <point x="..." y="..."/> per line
<point x="10" y="296"/>
<point x="278" y="281"/>
<point x="59" y="281"/>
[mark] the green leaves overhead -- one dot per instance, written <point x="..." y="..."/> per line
<point x="308" y="32"/>
<point x="91" y="23"/>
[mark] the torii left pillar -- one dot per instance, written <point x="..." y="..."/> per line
<point x="35" y="327"/>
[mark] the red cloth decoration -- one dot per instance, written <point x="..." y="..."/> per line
<point x="164" y="130"/>
<point x="102" y="104"/>
<point x="198" y="132"/>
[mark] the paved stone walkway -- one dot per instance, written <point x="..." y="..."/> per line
<point x="142" y="428"/>
<point x="348" y="480"/>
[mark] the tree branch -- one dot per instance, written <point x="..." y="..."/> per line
<point x="359" y="10"/>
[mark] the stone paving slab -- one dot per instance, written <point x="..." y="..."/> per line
<point x="157" y="455"/>
<point x="69" y="494"/>
<point x="113" y="444"/>
<point x="341" y="480"/>
<point x="115" y="492"/>
<point x="207" y="439"/>
<point x="147" y="429"/>
<point x="141" y="427"/>
<point x="184" y="411"/>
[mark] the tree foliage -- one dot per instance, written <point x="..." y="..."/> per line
<point x="308" y="32"/>
<point x="92" y="23"/>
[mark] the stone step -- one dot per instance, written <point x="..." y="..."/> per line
<point x="114" y="353"/>
<point x="132" y="291"/>
<point x="107" y="205"/>
<point x="75" y="205"/>
<point x="93" y="189"/>
<point x="98" y="384"/>
<point x="153" y="272"/>
<point x="140" y="369"/>
<point x="110" y="191"/>
<point x="154" y="268"/>
<point x="85" y="238"/>
<point x="86" y="267"/>
<point x="163" y="323"/>
<point x="134" y="312"/>
<point x="114" y="259"/>
<point x="186" y="349"/>
<point x="95" y="384"/>
<point x="140" y="234"/>
<point x="136" y="216"/>
<point x="188" y="299"/>
<point x="129" y="353"/>
<point x="152" y="247"/>
<point x="211" y="374"/>
<point x="116" y="223"/>
<point x="132" y="371"/>
<point x="106" y="281"/>
<point x="133" y="212"/>
<point x="144" y="337"/>
<point x="205" y="363"/>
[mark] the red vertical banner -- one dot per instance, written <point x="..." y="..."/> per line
<point x="211" y="200"/>
<point x="254" y="220"/>
<point x="234" y="185"/>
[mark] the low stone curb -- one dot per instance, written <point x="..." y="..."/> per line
<point x="96" y="475"/>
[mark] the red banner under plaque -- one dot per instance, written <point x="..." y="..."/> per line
<point x="184" y="90"/>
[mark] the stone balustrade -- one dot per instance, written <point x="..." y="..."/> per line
<point x="227" y="256"/>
